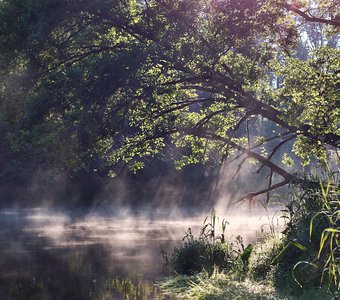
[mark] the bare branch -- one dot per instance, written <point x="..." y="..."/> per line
<point x="239" y="167"/>
<point x="231" y="133"/>
<point x="250" y="196"/>
<point x="248" y="134"/>
<point x="277" y="148"/>
<point x="269" y="184"/>
<point x="258" y="157"/>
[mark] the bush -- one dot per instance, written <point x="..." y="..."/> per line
<point x="189" y="259"/>
<point x="208" y="252"/>
<point x="261" y="267"/>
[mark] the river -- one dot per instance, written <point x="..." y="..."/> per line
<point x="46" y="255"/>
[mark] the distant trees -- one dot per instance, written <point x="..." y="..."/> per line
<point x="100" y="85"/>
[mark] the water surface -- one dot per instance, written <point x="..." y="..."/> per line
<point x="49" y="256"/>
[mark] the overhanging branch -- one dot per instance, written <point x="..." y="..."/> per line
<point x="309" y="18"/>
<point x="250" y="196"/>
<point x="275" y="168"/>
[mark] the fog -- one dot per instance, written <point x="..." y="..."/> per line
<point x="89" y="231"/>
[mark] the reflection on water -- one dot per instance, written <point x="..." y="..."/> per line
<point x="44" y="256"/>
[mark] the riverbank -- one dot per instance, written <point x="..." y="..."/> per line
<point x="226" y="286"/>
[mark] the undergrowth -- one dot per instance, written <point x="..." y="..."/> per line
<point x="209" y="251"/>
<point x="218" y="285"/>
<point x="301" y="262"/>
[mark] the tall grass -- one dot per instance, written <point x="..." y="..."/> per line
<point x="329" y="247"/>
<point x="307" y="256"/>
<point x="209" y="251"/>
<point x="217" y="285"/>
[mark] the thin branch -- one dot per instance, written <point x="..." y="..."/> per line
<point x="269" y="185"/>
<point x="180" y="105"/>
<point x="309" y="18"/>
<point x="239" y="167"/>
<point x="197" y="79"/>
<point x="78" y="57"/>
<point x="270" y="139"/>
<point x="207" y="118"/>
<point x="248" y="134"/>
<point x="275" y="168"/>
<point x="250" y="196"/>
<point x="277" y="148"/>
<point x="134" y="30"/>
<point x="232" y="134"/>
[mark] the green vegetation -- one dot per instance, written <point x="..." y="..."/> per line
<point x="226" y="287"/>
<point x="111" y="288"/>
<point x="96" y="87"/>
<point x="209" y="252"/>
<point x="300" y="262"/>
<point x="215" y="286"/>
<point x="91" y="88"/>
<point x="127" y="288"/>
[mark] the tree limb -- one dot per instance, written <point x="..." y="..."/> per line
<point x="333" y="22"/>
<point x="268" y="163"/>
<point x="264" y="191"/>
<point x="277" y="148"/>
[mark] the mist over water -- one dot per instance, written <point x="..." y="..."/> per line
<point x="89" y="248"/>
<point x="50" y="253"/>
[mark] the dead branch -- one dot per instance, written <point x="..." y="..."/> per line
<point x="250" y="196"/>
<point x="239" y="167"/>
<point x="277" y="148"/>
<point x="269" y="184"/>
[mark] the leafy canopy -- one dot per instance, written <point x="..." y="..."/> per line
<point x="114" y="83"/>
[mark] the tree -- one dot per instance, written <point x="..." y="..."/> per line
<point x="320" y="11"/>
<point x="123" y="81"/>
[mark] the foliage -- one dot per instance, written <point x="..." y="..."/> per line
<point x="299" y="263"/>
<point x="329" y="250"/>
<point x="307" y="253"/>
<point x="129" y="289"/>
<point x="209" y="252"/>
<point x="261" y="267"/>
<point x="120" y="82"/>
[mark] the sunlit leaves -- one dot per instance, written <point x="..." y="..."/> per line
<point x="306" y="149"/>
<point x="309" y="96"/>
<point x="127" y="79"/>
<point x="287" y="160"/>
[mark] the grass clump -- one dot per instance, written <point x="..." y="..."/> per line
<point x="218" y="285"/>
<point x="209" y="251"/>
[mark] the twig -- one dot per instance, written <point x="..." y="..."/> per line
<point x="269" y="184"/>
<point x="277" y="148"/>
<point x="239" y="167"/>
<point x="272" y="187"/>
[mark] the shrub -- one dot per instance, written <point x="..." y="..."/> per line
<point x="208" y="252"/>
<point x="190" y="258"/>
